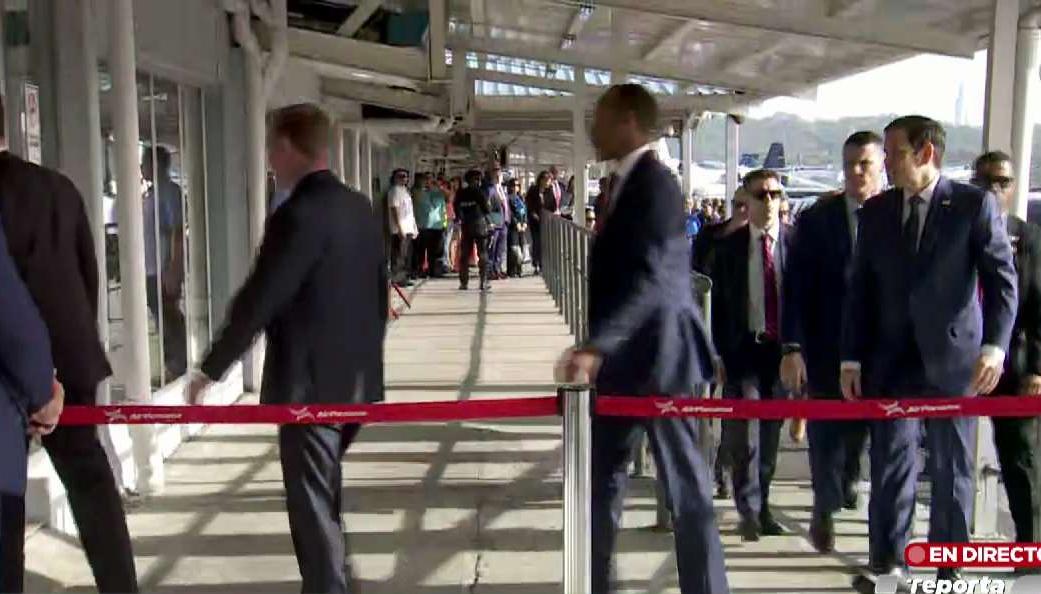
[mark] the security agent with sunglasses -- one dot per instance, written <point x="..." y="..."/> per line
<point x="932" y="302"/>
<point x="746" y="313"/>
<point x="1013" y="437"/>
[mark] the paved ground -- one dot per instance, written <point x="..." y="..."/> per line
<point x="436" y="509"/>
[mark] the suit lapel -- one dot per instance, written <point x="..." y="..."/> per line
<point x="741" y="238"/>
<point x="939" y="207"/>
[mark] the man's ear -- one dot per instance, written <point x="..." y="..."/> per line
<point x="926" y="155"/>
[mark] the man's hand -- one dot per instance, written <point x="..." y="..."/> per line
<point x="849" y="379"/>
<point x="986" y="375"/>
<point x="797" y="430"/>
<point x="721" y="371"/>
<point x="1031" y="385"/>
<point x="197" y="387"/>
<point x="578" y="366"/>
<point x="45" y="420"/>
<point x="793" y="372"/>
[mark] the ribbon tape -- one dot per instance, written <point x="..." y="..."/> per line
<point x="544" y="406"/>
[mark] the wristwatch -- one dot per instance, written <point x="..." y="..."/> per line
<point x="787" y="349"/>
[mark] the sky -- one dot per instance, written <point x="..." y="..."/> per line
<point x="935" y="81"/>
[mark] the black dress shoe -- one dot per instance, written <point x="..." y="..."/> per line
<point x="822" y="533"/>
<point x="850" y="498"/>
<point x="722" y="490"/>
<point x="950" y="574"/>
<point x="872" y="581"/>
<point x="749" y="530"/>
<point x="768" y="526"/>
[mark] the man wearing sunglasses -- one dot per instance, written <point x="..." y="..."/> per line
<point x="746" y="313"/>
<point x="1013" y="437"/>
<point x="930" y="312"/>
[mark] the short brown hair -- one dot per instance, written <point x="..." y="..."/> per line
<point x="758" y="175"/>
<point x="305" y="125"/>
<point x="636" y="99"/>
<point x="920" y="130"/>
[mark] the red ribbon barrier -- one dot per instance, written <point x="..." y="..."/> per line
<point x="982" y="406"/>
<point x="242" y="414"/>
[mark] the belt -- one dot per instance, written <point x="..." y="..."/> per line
<point x="763" y="338"/>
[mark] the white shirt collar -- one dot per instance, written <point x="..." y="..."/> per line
<point x="624" y="166"/>
<point x="926" y="194"/>
<point x="757" y="232"/>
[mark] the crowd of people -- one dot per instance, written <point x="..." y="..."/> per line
<point x="440" y="226"/>
<point x="929" y="288"/>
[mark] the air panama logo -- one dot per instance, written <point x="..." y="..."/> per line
<point x="302" y="414"/>
<point x="895" y="409"/>
<point x="669" y="407"/>
<point x="118" y="416"/>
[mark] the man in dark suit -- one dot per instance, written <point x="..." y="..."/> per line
<point x="645" y="339"/>
<point x="1014" y="437"/>
<point x="746" y="310"/>
<point x="816" y="275"/>
<point x="27" y="404"/>
<point x="930" y="312"/>
<point x="319" y="290"/>
<point x="50" y="241"/>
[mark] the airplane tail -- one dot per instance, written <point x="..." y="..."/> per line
<point x="775" y="157"/>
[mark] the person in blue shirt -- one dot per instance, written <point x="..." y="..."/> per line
<point x="430" y="218"/>
<point x="516" y="229"/>
<point x="693" y="222"/>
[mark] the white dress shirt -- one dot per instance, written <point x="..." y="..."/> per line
<point x="852" y="208"/>
<point x="993" y="353"/>
<point x="757" y="277"/>
<point x="405" y="222"/>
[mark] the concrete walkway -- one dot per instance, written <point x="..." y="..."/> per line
<point x="436" y="509"/>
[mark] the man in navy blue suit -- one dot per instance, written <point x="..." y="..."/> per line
<point x="645" y="339"/>
<point x="816" y="275"/>
<point x="26" y="377"/>
<point x="930" y="312"/>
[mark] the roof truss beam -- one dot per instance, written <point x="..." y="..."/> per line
<point x="866" y="30"/>
<point x="418" y="103"/>
<point x="376" y="57"/>
<point x="362" y="13"/>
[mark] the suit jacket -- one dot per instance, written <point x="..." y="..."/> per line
<point x="704" y="249"/>
<point x="642" y="315"/>
<point x="816" y="276"/>
<point x="26" y="371"/>
<point x="50" y="240"/>
<point x="319" y="289"/>
<point x="730" y="295"/>
<point x="933" y="298"/>
<point x="1024" y="352"/>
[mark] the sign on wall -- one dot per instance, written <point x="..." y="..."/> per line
<point x="33" y="141"/>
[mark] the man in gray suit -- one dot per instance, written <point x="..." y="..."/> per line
<point x="319" y="290"/>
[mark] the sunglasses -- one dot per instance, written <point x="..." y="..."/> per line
<point x="987" y="181"/>
<point x="764" y="195"/>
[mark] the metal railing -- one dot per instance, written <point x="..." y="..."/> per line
<point x="565" y="268"/>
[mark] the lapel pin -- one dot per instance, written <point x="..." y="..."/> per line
<point x="946" y="202"/>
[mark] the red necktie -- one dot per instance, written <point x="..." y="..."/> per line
<point x="770" y="288"/>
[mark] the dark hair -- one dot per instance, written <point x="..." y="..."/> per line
<point x="991" y="158"/>
<point x="758" y="175"/>
<point x="636" y="99"/>
<point x="542" y="175"/>
<point x="162" y="159"/>
<point x="862" y="138"/>
<point x="513" y="182"/>
<point x="304" y="125"/>
<point x="473" y="176"/>
<point x="921" y="130"/>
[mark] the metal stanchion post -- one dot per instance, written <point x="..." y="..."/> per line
<point x="578" y="441"/>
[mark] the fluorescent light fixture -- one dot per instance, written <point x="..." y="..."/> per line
<point x="567" y="42"/>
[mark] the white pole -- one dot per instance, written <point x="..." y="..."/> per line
<point x="1001" y="59"/>
<point x="687" y="149"/>
<point x="578" y="443"/>
<point x="355" y="175"/>
<point x="1024" y="107"/>
<point x="579" y="154"/>
<point x="136" y="369"/>
<point x="366" y="167"/>
<point x="732" y="148"/>
<point x="337" y="150"/>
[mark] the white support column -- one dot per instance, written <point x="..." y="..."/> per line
<point x="732" y="148"/>
<point x="1001" y="59"/>
<point x="366" y="166"/>
<point x="193" y="176"/>
<point x="136" y="371"/>
<point x="337" y="151"/>
<point x="690" y="123"/>
<point x="1025" y="111"/>
<point x="579" y="152"/>
<point x="355" y="171"/>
